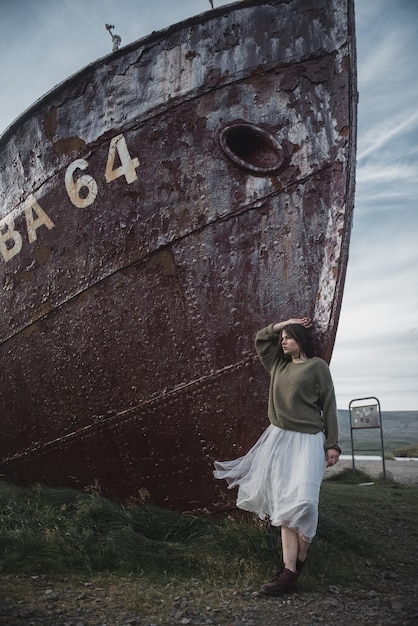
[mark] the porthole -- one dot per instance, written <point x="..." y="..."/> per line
<point x="251" y="147"/>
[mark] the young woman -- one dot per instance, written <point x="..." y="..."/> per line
<point x="280" y="477"/>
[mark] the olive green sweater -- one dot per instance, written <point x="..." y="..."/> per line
<point x="301" y="395"/>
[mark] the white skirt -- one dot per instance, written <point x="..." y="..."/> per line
<point x="280" y="478"/>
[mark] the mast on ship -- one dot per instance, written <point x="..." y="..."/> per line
<point x="116" y="39"/>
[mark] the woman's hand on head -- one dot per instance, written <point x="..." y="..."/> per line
<point x="332" y="456"/>
<point x="303" y="321"/>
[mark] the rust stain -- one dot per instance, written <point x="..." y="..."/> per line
<point x="25" y="276"/>
<point x="50" y="124"/>
<point x="191" y="55"/>
<point x="30" y="330"/>
<point x="165" y="261"/>
<point x="45" y="308"/>
<point x="41" y="254"/>
<point x="69" y="145"/>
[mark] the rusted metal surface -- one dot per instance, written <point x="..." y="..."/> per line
<point x="156" y="209"/>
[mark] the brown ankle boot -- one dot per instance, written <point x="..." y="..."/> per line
<point x="284" y="581"/>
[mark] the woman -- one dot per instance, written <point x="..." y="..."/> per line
<point x="280" y="477"/>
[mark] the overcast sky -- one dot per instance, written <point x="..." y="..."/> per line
<point x="376" y="353"/>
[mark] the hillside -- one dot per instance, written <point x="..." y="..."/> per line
<point x="400" y="428"/>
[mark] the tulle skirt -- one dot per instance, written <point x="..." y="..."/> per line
<point x="280" y="478"/>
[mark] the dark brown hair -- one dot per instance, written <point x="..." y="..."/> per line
<point x="303" y="338"/>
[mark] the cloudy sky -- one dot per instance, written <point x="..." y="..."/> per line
<point x="376" y="353"/>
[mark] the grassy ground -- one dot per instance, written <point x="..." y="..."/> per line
<point x="97" y="558"/>
<point x="49" y="531"/>
<point x="407" y="451"/>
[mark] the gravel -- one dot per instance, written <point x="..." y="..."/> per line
<point x="88" y="605"/>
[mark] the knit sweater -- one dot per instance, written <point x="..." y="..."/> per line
<point x="301" y="395"/>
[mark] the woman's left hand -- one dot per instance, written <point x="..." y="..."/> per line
<point x="332" y="456"/>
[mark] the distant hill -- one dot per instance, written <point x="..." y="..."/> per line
<point x="400" y="428"/>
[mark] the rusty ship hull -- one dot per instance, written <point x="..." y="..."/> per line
<point x="157" y="208"/>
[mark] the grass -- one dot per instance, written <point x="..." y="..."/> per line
<point x="44" y="530"/>
<point x="407" y="451"/>
<point x="366" y="526"/>
<point x="363" y="529"/>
